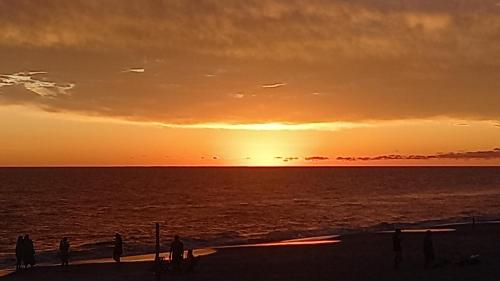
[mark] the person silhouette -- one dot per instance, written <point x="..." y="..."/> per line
<point x="118" y="250"/>
<point x="176" y="253"/>
<point x="64" y="251"/>
<point x="397" y="248"/>
<point x="19" y="252"/>
<point x="428" y="248"/>
<point x="29" y="252"/>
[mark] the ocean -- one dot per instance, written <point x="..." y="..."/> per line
<point x="224" y="206"/>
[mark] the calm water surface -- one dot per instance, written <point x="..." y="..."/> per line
<point x="215" y="206"/>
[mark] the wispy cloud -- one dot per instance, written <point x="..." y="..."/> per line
<point x="317" y="94"/>
<point x="467" y="155"/>
<point x="273" y="85"/>
<point x="326" y="126"/>
<point x="237" y="95"/>
<point x="215" y="72"/>
<point x="32" y="83"/>
<point x="134" y="70"/>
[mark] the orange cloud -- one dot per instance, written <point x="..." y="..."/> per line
<point x="377" y="60"/>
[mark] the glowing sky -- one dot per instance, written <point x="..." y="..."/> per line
<point x="267" y="82"/>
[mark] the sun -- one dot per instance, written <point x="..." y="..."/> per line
<point x="264" y="148"/>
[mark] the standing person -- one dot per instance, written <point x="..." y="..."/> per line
<point x="176" y="253"/>
<point x="428" y="248"/>
<point x="29" y="252"/>
<point x="118" y="250"/>
<point x="19" y="252"/>
<point x="64" y="251"/>
<point x="398" y="249"/>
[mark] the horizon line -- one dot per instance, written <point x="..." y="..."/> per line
<point x="252" y="166"/>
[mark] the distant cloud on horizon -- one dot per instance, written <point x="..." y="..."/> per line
<point x="317" y="158"/>
<point x="287" y="159"/>
<point x="467" y="155"/>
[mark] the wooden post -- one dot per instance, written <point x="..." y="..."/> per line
<point x="158" y="266"/>
<point x="157" y="249"/>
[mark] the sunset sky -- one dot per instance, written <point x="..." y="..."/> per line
<point x="264" y="82"/>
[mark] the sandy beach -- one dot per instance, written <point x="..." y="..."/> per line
<point x="364" y="256"/>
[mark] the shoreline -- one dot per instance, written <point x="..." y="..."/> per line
<point x="284" y="236"/>
<point x="317" y="243"/>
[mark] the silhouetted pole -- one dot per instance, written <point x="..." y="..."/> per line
<point x="157" y="252"/>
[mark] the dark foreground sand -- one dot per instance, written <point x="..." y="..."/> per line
<point x="358" y="257"/>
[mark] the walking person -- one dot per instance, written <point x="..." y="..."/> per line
<point x="397" y="248"/>
<point x="19" y="252"/>
<point x="118" y="250"/>
<point x="64" y="251"/>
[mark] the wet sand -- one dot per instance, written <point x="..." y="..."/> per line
<point x="365" y="256"/>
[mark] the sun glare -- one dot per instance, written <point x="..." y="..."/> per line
<point x="264" y="149"/>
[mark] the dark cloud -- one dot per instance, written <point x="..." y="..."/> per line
<point x="375" y="59"/>
<point x="467" y="155"/>
<point x="287" y="159"/>
<point x="210" y="158"/>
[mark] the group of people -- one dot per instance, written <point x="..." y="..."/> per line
<point x="25" y="252"/>
<point x="427" y="248"/>
<point x="176" y="254"/>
